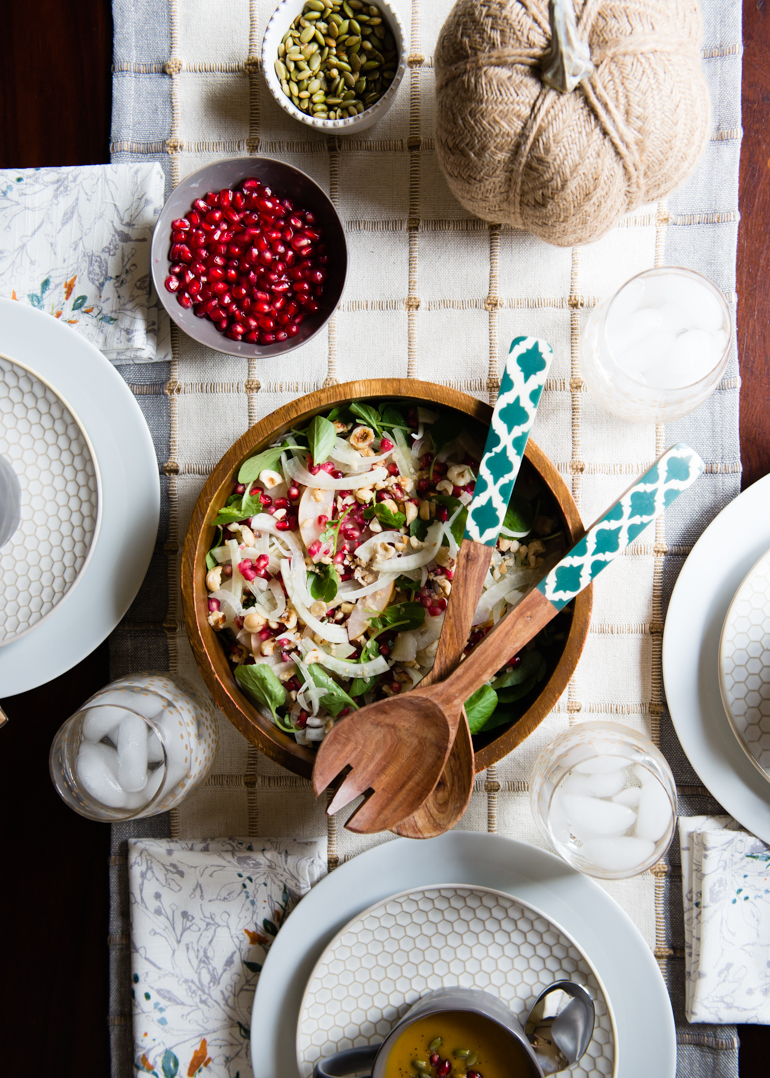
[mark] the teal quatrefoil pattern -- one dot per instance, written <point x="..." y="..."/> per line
<point x="644" y="500"/>
<point x="515" y="411"/>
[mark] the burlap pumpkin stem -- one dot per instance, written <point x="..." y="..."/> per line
<point x="566" y="165"/>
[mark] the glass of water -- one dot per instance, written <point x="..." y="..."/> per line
<point x="604" y="798"/>
<point x="658" y="348"/>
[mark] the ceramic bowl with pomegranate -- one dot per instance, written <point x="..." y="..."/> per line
<point x="249" y="256"/>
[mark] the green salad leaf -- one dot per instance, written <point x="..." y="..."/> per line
<point x="323" y="584"/>
<point x="520" y="516"/>
<point x="479" y="707"/>
<point x="331" y="530"/>
<point x="268" y="458"/>
<point x="391" y="417"/>
<point x="211" y="561"/>
<point x="443" y="431"/>
<point x="244" y="506"/>
<point x="399" y="616"/>
<point x="260" y="683"/>
<point x="335" y="699"/>
<point x="419" y="528"/>
<point x="321" y="437"/>
<point x="370" y="416"/>
<point x="360" y="685"/>
<point x="385" y="516"/>
<point x="513" y="685"/>
<point x="405" y="583"/>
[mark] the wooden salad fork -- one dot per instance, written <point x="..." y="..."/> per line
<point x="369" y="741"/>
<point x="514" y="413"/>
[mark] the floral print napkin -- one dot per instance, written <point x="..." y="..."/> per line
<point x="726" y="891"/>
<point x="203" y="915"/>
<point x="75" y="242"/>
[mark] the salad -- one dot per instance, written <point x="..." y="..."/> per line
<point x="333" y="560"/>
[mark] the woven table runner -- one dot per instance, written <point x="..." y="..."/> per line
<point x="437" y="294"/>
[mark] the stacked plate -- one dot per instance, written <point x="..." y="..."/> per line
<point x="716" y="658"/>
<point x="468" y="909"/>
<point x="79" y="498"/>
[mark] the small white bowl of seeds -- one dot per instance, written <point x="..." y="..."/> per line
<point x="334" y="65"/>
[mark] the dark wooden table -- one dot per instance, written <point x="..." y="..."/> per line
<point x="55" y="108"/>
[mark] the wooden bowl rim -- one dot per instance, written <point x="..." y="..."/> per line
<point x="209" y="654"/>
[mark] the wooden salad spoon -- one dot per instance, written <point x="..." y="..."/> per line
<point x="398" y="747"/>
<point x="521" y="387"/>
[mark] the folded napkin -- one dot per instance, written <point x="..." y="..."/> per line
<point x="203" y="915"/>
<point x="726" y="891"/>
<point x="75" y="242"/>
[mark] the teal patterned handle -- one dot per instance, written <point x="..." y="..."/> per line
<point x="515" y="411"/>
<point x="644" y="500"/>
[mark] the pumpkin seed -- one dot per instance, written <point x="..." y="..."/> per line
<point x="355" y="63"/>
<point x="435" y="1044"/>
<point x="349" y="78"/>
<point x="420" y="1064"/>
<point x="461" y="1053"/>
<point x="306" y="34"/>
<point x="472" y="1058"/>
<point x="314" y="85"/>
<point x="315" y="61"/>
<point x="333" y="100"/>
<point x="313" y="16"/>
<point x="370" y="65"/>
<point x="280" y="70"/>
<point x="319" y="37"/>
<point x="347" y="9"/>
<point x="318" y="97"/>
<point x="314" y="5"/>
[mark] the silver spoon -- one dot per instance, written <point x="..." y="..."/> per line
<point x="10" y="500"/>
<point x="560" y="1025"/>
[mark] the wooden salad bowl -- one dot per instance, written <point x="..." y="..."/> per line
<point x="209" y="653"/>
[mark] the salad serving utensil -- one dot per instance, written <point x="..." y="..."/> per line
<point x="396" y="746"/>
<point x="521" y="388"/>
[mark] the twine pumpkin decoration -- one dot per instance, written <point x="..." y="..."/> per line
<point x="559" y="119"/>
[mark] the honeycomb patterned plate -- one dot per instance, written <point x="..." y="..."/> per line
<point x="384" y="960"/>
<point x="51" y="456"/>
<point x="744" y="665"/>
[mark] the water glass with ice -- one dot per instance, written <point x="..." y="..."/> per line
<point x="659" y="347"/>
<point x="604" y="798"/>
<point x="136" y="748"/>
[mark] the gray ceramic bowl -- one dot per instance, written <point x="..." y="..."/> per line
<point x="287" y="182"/>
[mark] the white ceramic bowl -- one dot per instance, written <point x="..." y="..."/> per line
<point x="280" y="21"/>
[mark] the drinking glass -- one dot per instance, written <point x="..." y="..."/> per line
<point x="604" y="799"/>
<point x="177" y="733"/>
<point x="658" y="348"/>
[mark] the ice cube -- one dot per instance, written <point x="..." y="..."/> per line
<point x="558" y="822"/>
<point x="101" y="721"/>
<point x="132" y="754"/>
<point x="628" y="797"/>
<point x="654" y="815"/>
<point x="618" y="854"/>
<point x="96" y="769"/>
<point x="692" y="356"/>
<point x="638" y="326"/>
<point x="693" y="304"/>
<point x="601" y="817"/>
<point x="630" y="299"/>
<point x="646" y="356"/>
<point x="601" y="785"/>
<point x="147" y="704"/>
<point x="154" y="747"/>
<point x="153" y="785"/>
<point x="600" y="765"/>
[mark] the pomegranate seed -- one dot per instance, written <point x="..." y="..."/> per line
<point x="228" y="570"/>
<point x="339" y="557"/>
<point x="265" y="634"/>
<point x="314" y="548"/>
<point x="301" y="721"/>
<point x="282" y="525"/>
<point x="386" y="445"/>
<point x="293" y="493"/>
<point x="172" y="283"/>
<point x="515" y="661"/>
<point x="214" y="605"/>
<point x="262" y="561"/>
<point x="184" y="300"/>
<point x="435" y="1059"/>
<point x="444" y="1068"/>
<point x="392" y="469"/>
<point x="473" y="1074"/>
<point x="442" y="514"/>
<point x="323" y="520"/>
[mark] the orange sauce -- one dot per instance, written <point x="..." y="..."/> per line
<point x="498" y="1054"/>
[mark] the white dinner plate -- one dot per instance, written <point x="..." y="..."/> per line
<point x="386" y="959"/>
<point x="744" y="665"/>
<point x="646" y="1037"/>
<point x="704" y="590"/>
<point x="130" y="492"/>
